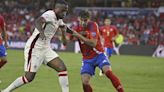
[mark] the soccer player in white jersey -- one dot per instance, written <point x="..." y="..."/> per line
<point x="38" y="50"/>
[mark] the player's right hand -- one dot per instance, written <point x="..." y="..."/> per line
<point x="42" y="36"/>
<point x="68" y="30"/>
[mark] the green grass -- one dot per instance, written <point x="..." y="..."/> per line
<point x="137" y="74"/>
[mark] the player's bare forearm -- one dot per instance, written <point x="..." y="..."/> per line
<point x="40" y="23"/>
<point x="64" y="40"/>
<point x="90" y="42"/>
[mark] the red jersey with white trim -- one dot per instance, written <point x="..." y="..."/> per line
<point x="2" y="25"/>
<point x="92" y="31"/>
<point x="108" y="33"/>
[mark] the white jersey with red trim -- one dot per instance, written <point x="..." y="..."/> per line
<point x="50" y="28"/>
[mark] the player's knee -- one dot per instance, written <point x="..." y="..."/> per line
<point x="4" y="60"/>
<point x="106" y="68"/>
<point x="30" y="77"/>
<point x="85" y="81"/>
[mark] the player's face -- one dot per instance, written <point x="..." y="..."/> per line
<point x="107" y="22"/>
<point x="84" y="21"/>
<point x="62" y="12"/>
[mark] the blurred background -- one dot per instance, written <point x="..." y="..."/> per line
<point x="141" y="22"/>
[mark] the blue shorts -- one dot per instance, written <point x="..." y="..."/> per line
<point x="89" y="65"/>
<point x="3" y="52"/>
<point x="109" y="51"/>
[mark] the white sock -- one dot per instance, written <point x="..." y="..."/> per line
<point x="17" y="83"/>
<point x="63" y="80"/>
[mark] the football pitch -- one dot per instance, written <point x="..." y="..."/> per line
<point x="137" y="74"/>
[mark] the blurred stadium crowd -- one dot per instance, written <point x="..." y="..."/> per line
<point x="139" y="29"/>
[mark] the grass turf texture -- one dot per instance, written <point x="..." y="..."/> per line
<point x="137" y="74"/>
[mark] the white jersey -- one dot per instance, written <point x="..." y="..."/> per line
<point x="50" y="28"/>
<point x="38" y="51"/>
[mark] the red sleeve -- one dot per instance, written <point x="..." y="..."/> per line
<point x="94" y="31"/>
<point x="101" y="30"/>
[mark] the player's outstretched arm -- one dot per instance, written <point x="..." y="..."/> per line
<point x="64" y="40"/>
<point x="40" y="24"/>
<point x="90" y="42"/>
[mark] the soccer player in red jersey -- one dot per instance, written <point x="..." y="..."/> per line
<point x="93" y="53"/>
<point x="3" y="37"/>
<point x="109" y="33"/>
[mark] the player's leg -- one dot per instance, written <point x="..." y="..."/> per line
<point x="3" y="61"/>
<point x="87" y="70"/>
<point x="117" y="48"/>
<point x="108" y="53"/>
<point x="60" y="67"/>
<point x="114" y="79"/>
<point x="104" y="64"/>
<point x="33" y="60"/>
<point x="52" y="59"/>
<point x="3" y="54"/>
<point x="20" y="81"/>
<point x="85" y="82"/>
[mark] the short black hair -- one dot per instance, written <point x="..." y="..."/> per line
<point x="61" y="2"/>
<point x="84" y="14"/>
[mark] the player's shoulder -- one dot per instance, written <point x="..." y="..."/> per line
<point x="93" y="23"/>
<point x="49" y="12"/>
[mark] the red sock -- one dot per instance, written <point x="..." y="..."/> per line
<point x="87" y="88"/>
<point x="115" y="81"/>
<point x="2" y="63"/>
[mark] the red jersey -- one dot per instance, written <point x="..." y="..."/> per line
<point x="2" y="25"/>
<point x="108" y="33"/>
<point x="87" y="51"/>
